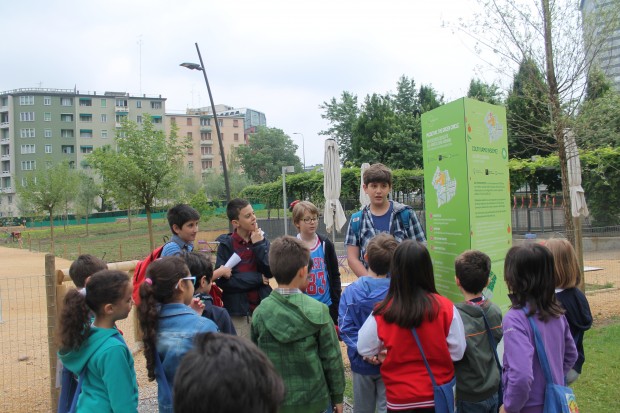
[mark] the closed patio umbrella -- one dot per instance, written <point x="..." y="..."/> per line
<point x="333" y="215"/>
<point x="364" y="198"/>
<point x="577" y="195"/>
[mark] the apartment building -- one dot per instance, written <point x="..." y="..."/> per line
<point x="40" y="127"/>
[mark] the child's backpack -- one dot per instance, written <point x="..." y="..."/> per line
<point x="139" y="273"/>
<point x="357" y="217"/>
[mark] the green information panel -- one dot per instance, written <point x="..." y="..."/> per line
<point x="467" y="192"/>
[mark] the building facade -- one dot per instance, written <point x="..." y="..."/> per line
<point x="41" y="127"/>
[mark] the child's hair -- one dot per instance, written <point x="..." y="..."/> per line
<point x="408" y="302"/>
<point x="180" y="214"/>
<point x="234" y="207"/>
<point x="377" y="173"/>
<point x="528" y="271"/>
<point x="286" y="256"/>
<point x="103" y="287"/>
<point x="567" y="273"/>
<point x="473" y="269"/>
<point x="83" y="267"/>
<point x="301" y="208"/>
<point x="379" y="253"/>
<point x="199" y="266"/>
<point x="239" y="365"/>
<point x="158" y="287"/>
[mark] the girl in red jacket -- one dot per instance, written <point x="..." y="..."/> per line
<point x="413" y="301"/>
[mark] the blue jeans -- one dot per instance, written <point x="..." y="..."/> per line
<point x="486" y="406"/>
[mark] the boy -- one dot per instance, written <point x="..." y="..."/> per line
<point x="297" y="334"/>
<point x="83" y="267"/>
<point x="380" y="216"/>
<point x="477" y="373"/>
<point x="248" y="282"/>
<point x="239" y="365"/>
<point x="200" y="267"/>
<point x="356" y="304"/>
<point x="183" y="221"/>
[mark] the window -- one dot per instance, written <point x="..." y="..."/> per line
<point x="28" y="149"/>
<point x="26" y="100"/>
<point x="86" y="133"/>
<point x="190" y="135"/>
<point x="86" y="117"/>
<point x="86" y="102"/>
<point x="156" y="120"/>
<point x="138" y="104"/>
<point x="66" y="133"/>
<point x="104" y="103"/>
<point x="206" y="150"/>
<point x="236" y="123"/>
<point x="190" y="165"/>
<point x="121" y="102"/>
<point x="155" y="105"/>
<point x="139" y="119"/>
<point x="205" y="122"/>
<point x="207" y="164"/>
<point x="47" y="100"/>
<point x="119" y="118"/>
<point x="28" y="165"/>
<point x="66" y="101"/>
<point x="26" y="116"/>
<point x="67" y="149"/>
<point x="205" y="136"/>
<point x="48" y="148"/>
<point x="47" y="133"/>
<point x="27" y="133"/>
<point x="66" y="117"/>
<point x="86" y="149"/>
<point x="104" y="134"/>
<point x="10" y="198"/>
<point x="220" y="122"/>
<point x="104" y="118"/>
<point x="189" y="121"/>
<point x="236" y="137"/>
<point x="47" y="117"/>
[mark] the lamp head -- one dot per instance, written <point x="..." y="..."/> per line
<point x="191" y="66"/>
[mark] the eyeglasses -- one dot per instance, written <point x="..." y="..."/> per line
<point x="191" y="277"/>
<point x="309" y="220"/>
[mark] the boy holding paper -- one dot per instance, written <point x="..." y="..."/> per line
<point x="246" y="251"/>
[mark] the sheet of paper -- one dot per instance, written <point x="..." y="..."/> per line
<point x="233" y="260"/>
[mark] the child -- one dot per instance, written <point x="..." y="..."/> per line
<point x="168" y="323"/>
<point x="297" y="334"/>
<point x="83" y="267"/>
<point x="477" y="373"/>
<point x="357" y="303"/>
<point x="381" y="215"/>
<point x="412" y="301"/>
<point x="324" y="283"/>
<point x="200" y="267"/>
<point x="528" y="271"/>
<point x="183" y="221"/>
<point x="109" y="383"/>
<point x="238" y="364"/>
<point x="249" y="283"/>
<point x="578" y="315"/>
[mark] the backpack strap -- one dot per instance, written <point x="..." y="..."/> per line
<point x="355" y="223"/>
<point x="540" y="350"/>
<point x="405" y="217"/>
<point x="428" y="367"/>
<point x="492" y="342"/>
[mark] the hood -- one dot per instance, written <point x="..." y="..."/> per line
<point x="75" y="360"/>
<point x="374" y="289"/>
<point x="398" y="206"/>
<point x="291" y="323"/>
<point x="473" y="310"/>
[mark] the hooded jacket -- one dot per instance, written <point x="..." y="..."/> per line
<point x="579" y="319"/>
<point x="297" y="334"/>
<point x="333" y="271"/>
<point x="110" y="380"/>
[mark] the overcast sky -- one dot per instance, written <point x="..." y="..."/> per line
<point x="283" y="58"/>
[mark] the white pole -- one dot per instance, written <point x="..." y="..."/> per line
<point x="284" y="198"/>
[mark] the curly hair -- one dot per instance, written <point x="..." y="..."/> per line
<point x="162" y="276"/>
<point x="103" y="287"/>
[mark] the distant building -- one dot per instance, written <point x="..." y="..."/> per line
<point x="609" y="56"/>
<point x="40" y="127"/>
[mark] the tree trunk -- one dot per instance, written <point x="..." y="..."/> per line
<point x="129" y="217"/>
<point x="149" y="221"/>
<point x="51" y="232"/>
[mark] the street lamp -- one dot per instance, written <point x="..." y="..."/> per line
<point x="303" y="147"/>
<point x="201" y="67"/>
<point x="285" y="169"/>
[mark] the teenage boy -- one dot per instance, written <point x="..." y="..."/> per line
<point x="248" y="283"/>
<point x="477" y="373"/>
<point x="83" y="267"/>
<point x="357" y="302"/>
<point x="296" y="332"/>
<point x="382" y="215"/>
<point x="183" y="221"/>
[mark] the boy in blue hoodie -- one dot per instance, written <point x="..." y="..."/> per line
<point x="356" y="304"/>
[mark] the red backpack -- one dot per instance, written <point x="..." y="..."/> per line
<point x="139" y="273"/>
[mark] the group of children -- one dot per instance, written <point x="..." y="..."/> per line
<point x="295" y="364"/>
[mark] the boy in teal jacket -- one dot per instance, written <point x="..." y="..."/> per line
<point x="297" y="334"/>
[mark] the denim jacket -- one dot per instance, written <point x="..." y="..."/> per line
<point x="178" y="324"/>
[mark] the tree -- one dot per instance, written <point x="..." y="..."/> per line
<point x="484" y="92"/>
<point x="87" y="191"/>
<point x="267" y="151"/>
<point x="342" y="116"/>
<point x="374" y="130"/>
<point x="44" y="191"/>
<point x="144" y="165"/>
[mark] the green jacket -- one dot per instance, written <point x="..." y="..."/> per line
<point x="110" y="380"/>
<point x="297" y="334"/>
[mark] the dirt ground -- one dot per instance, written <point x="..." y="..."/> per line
<point x="24" y="366"/>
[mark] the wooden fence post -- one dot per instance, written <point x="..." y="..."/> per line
<point x="50" y="290"/>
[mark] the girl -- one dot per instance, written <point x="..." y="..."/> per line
<point x="528" y="271"/>
<point x="168" y="323"/>
<point x="109" y="383"/>
<point x="324" y="278"/>
<point x="567" y="279"/>
<point x="412" y="301"/>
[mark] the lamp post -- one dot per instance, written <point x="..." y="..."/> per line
<point x="285" y="169"/>
<point x="303" y="147"/>
<point x="201" y="67"/>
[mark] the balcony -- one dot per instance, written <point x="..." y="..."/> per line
<point x="205" y="128"/>
<point x="4" y="124"/>
<point x="121" y="109"/>
<point x="5" y="173"/>
<point x="5" y="141"/>
<point x="206" y="143"/>
<point x="5" y="157"/>
<point x="7" y="190"/>
<point x="206" y="156"/>
<point x="4" y="108"/>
